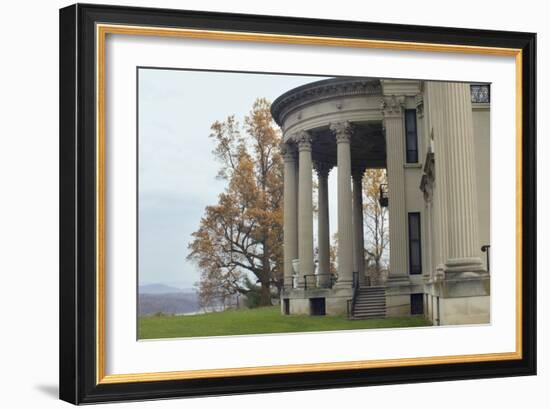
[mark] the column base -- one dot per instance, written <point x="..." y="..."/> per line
<point x="343" y="284"/>
<point x="393" y="281"/>
<point x="464" y="265"/>
<point x="323" y="281"/>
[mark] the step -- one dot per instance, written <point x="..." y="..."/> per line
<point x="369" y="300"/>
<point x="369" y="312"/>
<point x="357" y="301"/>
<point x="369" y="316"/>
<point x="363" y="312"/>
<point x="369" y="303"/>
<point x="382" y="297"/>
<point x="370" y="306"/>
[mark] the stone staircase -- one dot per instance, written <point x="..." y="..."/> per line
<point x="370" y="302"/>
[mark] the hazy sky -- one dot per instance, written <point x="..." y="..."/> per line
<point x="177" y="171"/>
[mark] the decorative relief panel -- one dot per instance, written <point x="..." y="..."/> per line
<point x="480" y="93"/>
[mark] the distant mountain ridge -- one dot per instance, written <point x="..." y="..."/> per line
<point x="157" y="288"/>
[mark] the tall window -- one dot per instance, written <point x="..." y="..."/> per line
<point x="415" y="253"/>
<point x="411" y="136"/>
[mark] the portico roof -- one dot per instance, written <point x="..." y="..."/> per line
<point x="322" y="90"/>
<point x="312" y="107"/>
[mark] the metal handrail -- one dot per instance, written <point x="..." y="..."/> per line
<point x="355" y="285"/>
<point x="330" y="281"/>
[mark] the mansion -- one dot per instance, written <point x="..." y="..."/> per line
<point x="433" y="140"/>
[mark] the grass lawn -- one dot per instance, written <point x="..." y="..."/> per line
<point x="267" y="320"/>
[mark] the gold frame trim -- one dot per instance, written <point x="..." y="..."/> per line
<point x="101" y="33"/>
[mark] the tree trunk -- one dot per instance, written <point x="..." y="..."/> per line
<point x="265" y="294"/>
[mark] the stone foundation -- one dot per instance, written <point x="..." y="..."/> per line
<point x="459" y="299"/>
<point x="398" y="305"/>
<point x="336" y="300"/>
<point x="465" y="310"/>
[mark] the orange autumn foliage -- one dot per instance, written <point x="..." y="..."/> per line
<point x="239" y="239"/>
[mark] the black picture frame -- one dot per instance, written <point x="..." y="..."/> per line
<point x="78" y="312"/>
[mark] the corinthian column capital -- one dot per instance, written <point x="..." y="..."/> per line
<point x="303" y="139"/>
<point x="342" y="130"/>
<point x="322" y="168"/>
<point x="288" y="152"/>
<point x="392" y="106"/>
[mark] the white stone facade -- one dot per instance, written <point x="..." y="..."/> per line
<point x="440" y="175"/>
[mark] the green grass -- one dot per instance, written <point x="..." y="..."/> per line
<point x="267" y="320"/>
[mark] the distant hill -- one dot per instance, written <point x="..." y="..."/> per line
<point x="155" y="298"/>
<point x="160" y="289"/>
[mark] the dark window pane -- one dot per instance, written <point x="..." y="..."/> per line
<point x="417" y="304"/>
<point x="415" y="256"/>
<point x="414" y="226"/>
<point x="415" y="247"/>
<point x="411" y="141"/>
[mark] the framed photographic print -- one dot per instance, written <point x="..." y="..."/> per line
<point x="257" y="203"/>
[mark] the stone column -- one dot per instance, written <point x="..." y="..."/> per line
<point x="462" y="213"/>
<point x="358" y="237"/>
<point x="305" y="207"/>
<point x="392" y="109"/>
<point x="436" y="124"/>
<point x="343" y="132"/>
<point x="290" y="215"/>
<point x="323" y="231"/>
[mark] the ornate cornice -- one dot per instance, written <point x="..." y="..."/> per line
<point x="342" y="130"/>
<point x="322" y="90"/>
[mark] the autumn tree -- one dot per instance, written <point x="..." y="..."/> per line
<point x="375" y="221"/>
<point x="242" y="235"/>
